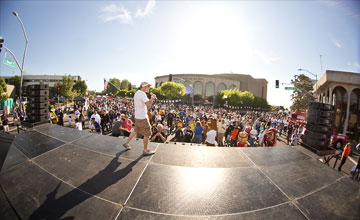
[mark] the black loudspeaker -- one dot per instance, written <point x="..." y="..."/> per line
<point x="320" y="124"/>
<point x="38" y="108"/>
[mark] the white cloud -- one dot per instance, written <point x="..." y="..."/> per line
<point x="148" y="9"/>
<point x="114" y="12"/>
<point x="335" y="42"/>
<point x="266" y="59"/>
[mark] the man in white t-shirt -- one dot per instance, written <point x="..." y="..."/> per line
<point x="142" y="124"/>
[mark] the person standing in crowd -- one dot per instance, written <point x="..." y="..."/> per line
<point x="234" y="135"/>
<point x="188" y="134"/>
<point x="60" y="118"/>
<point x="289" y="133"/>
<point x="69" y="120"/>
<point x="295" y="138"/>
<point x="252" y="138"/>
<point x="211" y="134"/>
<point x="142" y="124"/>
<point x="261" y="138"/>
<point x="198" y="133"/>
<point x="5" y="122"/>
<point x="345" y="154"/>
<point x="221" y="132"/>
<point x="179" y="135"/>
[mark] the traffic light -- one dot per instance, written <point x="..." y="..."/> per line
<point x="170" y="77"/>
<point x="277" y="84"/>
<point x="1" y="42"/>
<point x="58" y="91"/>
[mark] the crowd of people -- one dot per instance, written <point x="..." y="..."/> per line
<point x="182" y="123"/>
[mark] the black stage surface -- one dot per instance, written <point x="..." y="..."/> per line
<point x="53" y="172"/>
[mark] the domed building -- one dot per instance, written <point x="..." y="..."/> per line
<point x="208" y="85"/>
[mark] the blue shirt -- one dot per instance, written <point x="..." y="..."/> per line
<point x="198" y="130"/>
<point x="97" y="127"/>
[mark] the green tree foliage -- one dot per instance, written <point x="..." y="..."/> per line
<point x="80" y="87"/>
<point x="113" y="86"/>
<point x="172" y="90"/>
<point x="3" y="94"/>
<point x="156" y="91"/>
<point x="66" y="86"/>
<point x="121" y="93"/>
<point x="236" y="98"/>
<point x="125" y="84"/>
<point x="130" y="93"/>
<point x="198" y="97"/>
<point x="15" y="80"/>
<point x="302" y="96"/>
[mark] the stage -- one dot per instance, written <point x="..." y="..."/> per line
<point x="54" y="172"/>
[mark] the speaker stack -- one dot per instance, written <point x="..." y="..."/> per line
<point x="320" y="123"/>
<point x="37" y="108"/>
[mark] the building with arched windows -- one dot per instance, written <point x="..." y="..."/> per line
<point x="342" y="89"/>
<point x="208" y="85"/>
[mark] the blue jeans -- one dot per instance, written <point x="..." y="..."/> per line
<point x="251" y="141"/>
<point x="233" y="143"/>
<point x="198" y="139"/>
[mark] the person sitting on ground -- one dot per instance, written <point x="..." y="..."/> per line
<point x="158" y="135"/>
<point x="78" y="125"/>
<point x="188" y="134"/>
<point x="116" y="131"/>
<point x="179" y="135"/>
<point x="95" y="126"/>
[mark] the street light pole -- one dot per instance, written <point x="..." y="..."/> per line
<point x="23" y="61"/>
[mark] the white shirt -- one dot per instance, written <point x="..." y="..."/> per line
<point x="77" y="113"/>
<point x="97" y="118"/>
<point x="78" y="126"/>
<point x="139" y="103"/>
<point x="210" y="136"/>
<point x="253" y="133"/>
<point x="261" y="137"/>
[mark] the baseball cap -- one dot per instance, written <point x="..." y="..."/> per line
<point x="144" y="84"/>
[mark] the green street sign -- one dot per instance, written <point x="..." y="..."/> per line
<point x="180" y="82"/>
<point x="290" y="88"/>
<point x="9" y="62"/>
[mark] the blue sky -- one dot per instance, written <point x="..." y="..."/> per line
<point x="138" y="40"/>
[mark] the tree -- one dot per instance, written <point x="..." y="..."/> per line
<point x="15" y="80"/>
<point x="121" y="93"/>
<point x="125" y="84"/>
<point x="130" y="93"/>
<point x="80" y="87"/>
<point x="3" y="95"/>
<point x="66" y="86"/>
<point x="302" y="96"/>
<point x="113" y="86"/>
<point x="172" y="90"/>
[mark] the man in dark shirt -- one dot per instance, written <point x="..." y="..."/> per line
<point x="158" y="135"/>
<point x="179" y="135"/>
<point x="188" y="134"/>
<point x="116" y="132"/>
<point x="60" y="118"/>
